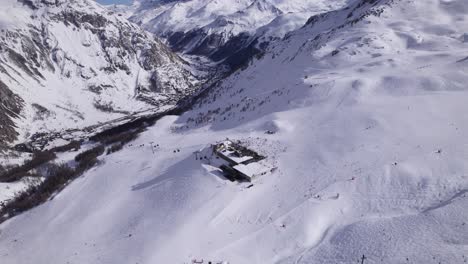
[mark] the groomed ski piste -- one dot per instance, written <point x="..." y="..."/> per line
<point x="369" y="137"/>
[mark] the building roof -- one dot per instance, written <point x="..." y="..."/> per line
<point x="231" y="155"/>
<point x="252" y="170"/>
<point x="226" y="148"/>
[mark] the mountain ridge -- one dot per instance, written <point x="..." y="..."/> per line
<point x="242" y="28"/>
<point x="112" y="67"/>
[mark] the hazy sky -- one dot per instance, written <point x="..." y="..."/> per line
<point x="107" y="2"/>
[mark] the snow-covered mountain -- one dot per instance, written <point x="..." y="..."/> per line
<point x="233" y="31"/>
<point x="70" y="64"/>
<point x="361" y="112"/>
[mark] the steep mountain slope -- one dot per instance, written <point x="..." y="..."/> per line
<point x="70" y="64"/>
<point x="364" y="112"/>
<point x="225" y="30"/>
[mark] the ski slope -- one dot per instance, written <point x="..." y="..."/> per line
<point x="366" y="105"/>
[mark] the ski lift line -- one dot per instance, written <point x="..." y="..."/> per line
<point x="166" y="148"/>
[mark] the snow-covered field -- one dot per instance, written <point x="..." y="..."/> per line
<point x="369" y="135"/>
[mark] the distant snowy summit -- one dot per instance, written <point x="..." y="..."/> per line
<point x="224" y="30"/>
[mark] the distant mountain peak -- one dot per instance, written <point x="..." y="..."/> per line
<point x="265" y="6"/>
<point x="225" y="30"/>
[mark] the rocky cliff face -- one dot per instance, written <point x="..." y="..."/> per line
<point x="67" y="64"/>
<point x="10" y="107"/>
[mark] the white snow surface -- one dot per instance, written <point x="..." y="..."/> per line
<point x="370" y="144"/>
